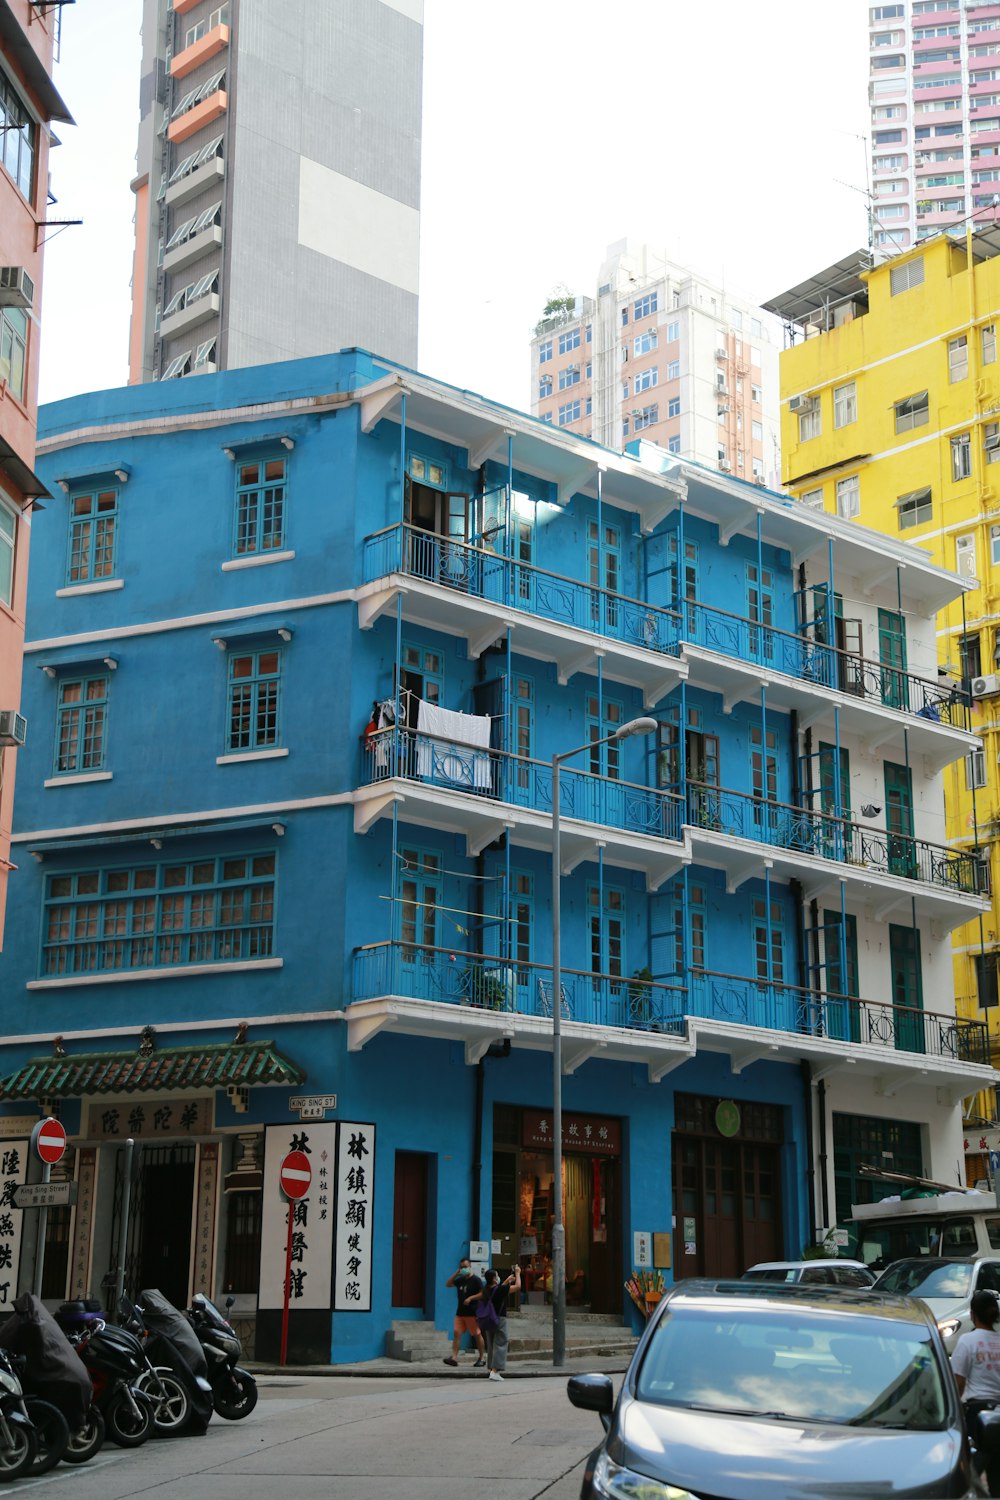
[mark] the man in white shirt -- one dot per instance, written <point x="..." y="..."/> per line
<point x="976" y="1364"/>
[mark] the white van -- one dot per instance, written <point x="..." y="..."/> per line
<point x="955" y="1226"/>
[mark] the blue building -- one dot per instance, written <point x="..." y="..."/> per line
<point x="302" y="642"/>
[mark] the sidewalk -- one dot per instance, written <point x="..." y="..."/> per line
<point x="436" y="1369"/>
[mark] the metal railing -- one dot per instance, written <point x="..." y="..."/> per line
<point x="516" y="779"/>
<point x="482" y="982"/>
<point x="484" y="574"/>
<point x="808" y="832"/>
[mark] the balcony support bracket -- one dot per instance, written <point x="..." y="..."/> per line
<point x="578" y="662"/>
<point x="889" y="1085"/>
<point x="377" y="401"/>
<point x="573" y="483"/>
<point x="363" y="1029"/>
<point x="476" y="1050"/>
<point x="739" y="874"/>
<point x="486" y="447"/>
<point x="746" y="1059"/>
<point x="833" y="1066"/>
<point x="658" y="1070"/>
<point x="575" y="1057"/>
<point x="368" y="811"/>
<point x="372" y="606"/>
<point x="483" y="638"/>
<point x="658" y="876"/>
<point x="481" y="838"/>
<point x="578" y="851"/>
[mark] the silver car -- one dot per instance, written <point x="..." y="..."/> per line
<point x="812" y="1272"/>
<point x="946" y="1286"/>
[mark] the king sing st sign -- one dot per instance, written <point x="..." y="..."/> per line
<point x="312" y="1106"/>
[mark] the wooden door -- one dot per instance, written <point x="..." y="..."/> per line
<point x="409" y="1230"/>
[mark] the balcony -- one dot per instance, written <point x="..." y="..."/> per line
<point x="485" y="793"/>
<point x="475" y="593"/>
<point x="458" y="995"/>
<point x="888" y="870"/>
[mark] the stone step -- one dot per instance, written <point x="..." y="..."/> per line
<point x="530" y="1339"/>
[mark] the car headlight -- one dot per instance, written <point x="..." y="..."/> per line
<point x="625" y="1484"/>
<point x="948" y="1326"/>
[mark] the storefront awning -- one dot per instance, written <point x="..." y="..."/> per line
<point x="253" y="1064"/>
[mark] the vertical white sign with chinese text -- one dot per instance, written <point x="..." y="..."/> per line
<point x="352" y="1287"/>
<point x="13" y="1163"/>
<point x="312" y="1218"/>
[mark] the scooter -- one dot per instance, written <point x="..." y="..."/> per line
<point x="165" y="1388"/>
<point x="176" y="1346"/>
<point x="57" y="1390"/>
<point x="114" y="1361"/>
<point x="17" y="1436"/>
<point x="234" y="1390"/>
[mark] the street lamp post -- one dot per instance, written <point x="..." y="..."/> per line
<point x="634" y="726"/>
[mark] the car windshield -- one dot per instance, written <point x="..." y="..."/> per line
<point x="805" y="1364"/>
<point x="913" y="1279"/>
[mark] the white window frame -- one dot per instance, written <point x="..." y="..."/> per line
<point x="845" y="404"/>
<point x="958" y="358"/>
<point x="810" y="423"/>
<point x="812" y="498"/>
<point x="975" y="769"/>
<point x="988" y="344"/>
<point x="965" y="555"/>
<point x="849" y="497"/>
<point x="961" y="456"/>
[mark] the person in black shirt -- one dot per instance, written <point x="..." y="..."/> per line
<point x="494" y="1325"/>
<point x="468" y="1288"/>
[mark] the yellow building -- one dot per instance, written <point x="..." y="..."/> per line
<point x="891" y="415"/>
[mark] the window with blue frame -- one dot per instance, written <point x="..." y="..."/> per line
<point x="81" y="725"/>
<point x="159" y="915"/>
<point x="646" y="379"/>
<point x="544" y="387"/>
<point x="93" y="534"/>
<point x="522" y="916"/>
<point x="673" y="332"/>
<point x="606" y="759"/>
<point x="647" y="417"/>
<point x="569" y="339"/>
<point x="645" y="343"/>
<point x="673" y="445"/>
<point x="254" y="688"/>
<point x="569" y="376"/>
<point x="260" y="506"/>
<point x="760" y="609"/>
<point x="420" y="898"/>
<point x="763" y="768"/>
<point x="768" y="941"/>
<point x="606" y="922"/>
<point x="569" y="413"/>
<point x="544" y="351"/>
<point x="645" y="306"/>
<point x="674" y="406"/>
<point x="695" y="932"/>
<point x="523" y="727"/>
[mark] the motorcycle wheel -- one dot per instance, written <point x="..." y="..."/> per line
<point x="51" y="1434"/>
<point x="237" y="1398"/>
<point x="124" y="1427"/>
<point x="171" y="1402"/>
<point x="86" y="1440"/>
<point x="16" y="1460"/>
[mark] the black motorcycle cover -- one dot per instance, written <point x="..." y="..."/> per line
<point x="53" y="1370"/>
<point x="176" y="1345"/>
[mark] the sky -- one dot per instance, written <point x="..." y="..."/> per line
<point x="729" y="135"/>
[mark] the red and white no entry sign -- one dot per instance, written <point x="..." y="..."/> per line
<point x="48" y="1141"/>
<point x="295" y="1176"/>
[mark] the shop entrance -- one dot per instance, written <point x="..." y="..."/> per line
<point x="158" y="1251"/>
<point x="522" y="1204"/>
<point x="726" y="1186"/>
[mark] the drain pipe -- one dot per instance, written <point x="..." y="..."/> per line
<point x="823" y="1156"/>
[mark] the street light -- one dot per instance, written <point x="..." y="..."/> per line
<point x="634" y="726"/>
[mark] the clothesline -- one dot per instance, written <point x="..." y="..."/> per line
<point x="462" y="874"/>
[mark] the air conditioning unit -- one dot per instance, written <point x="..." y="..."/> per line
<point x="16" y="287"/>
<point x="13" y="727"/>
<point x="725" y="464"/>
<point x="799" y="403"/>
<point x="986" y="687"/>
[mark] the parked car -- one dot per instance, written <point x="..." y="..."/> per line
<point x="813" y="1272"/>
<point x="750" y="1389"/>
<point x="946" y="1286"/>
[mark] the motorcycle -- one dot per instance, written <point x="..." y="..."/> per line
<point x="234" y="1390"/>
<point x="17" y="1436"/>
<point x="177" y="1347"/>
<point x="114" y="1361"/>
<point x="57" y="1390"/>
<point x="168" y="1390"/>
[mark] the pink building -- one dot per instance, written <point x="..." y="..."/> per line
<point x="28" y="103"/>
<point x="934" y="91"/>
<point x="666" y="355"/>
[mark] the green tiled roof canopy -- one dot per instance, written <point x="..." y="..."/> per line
<point x="255" y="1064"/>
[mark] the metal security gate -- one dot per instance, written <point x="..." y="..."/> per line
<point x="158" y="1250"/>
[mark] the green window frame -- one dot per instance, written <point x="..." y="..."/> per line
<point x="168" y="914"/>
<point x="261" y="494"/>
<point x="81" y="725"/>
<point x="8" y="541"/>
<point x="18" y="138"/>
<point x="93" y="535"/>
<point x="254" y="700"/>
<point x="14" y="350"/>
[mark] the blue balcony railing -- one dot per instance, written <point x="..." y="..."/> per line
<point x="830" y="837"/>
<point x="451" y="766"/>
<point x="482" y="982"/>
<point x="484" y="574"/>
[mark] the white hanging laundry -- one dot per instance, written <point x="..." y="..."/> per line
<point x="453" y="746"/>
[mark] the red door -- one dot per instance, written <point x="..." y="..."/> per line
<point x="409" y="1230"/>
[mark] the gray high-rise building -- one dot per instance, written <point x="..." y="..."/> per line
<point x="278" y="182"/>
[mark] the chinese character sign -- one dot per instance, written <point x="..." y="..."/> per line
<point x="352" y="1285"/>
<point x="178" y="1119"/>
<point x="313" y="1218"/>
<point x="13" y="1162"/>
<point x="86" y="1180"/>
